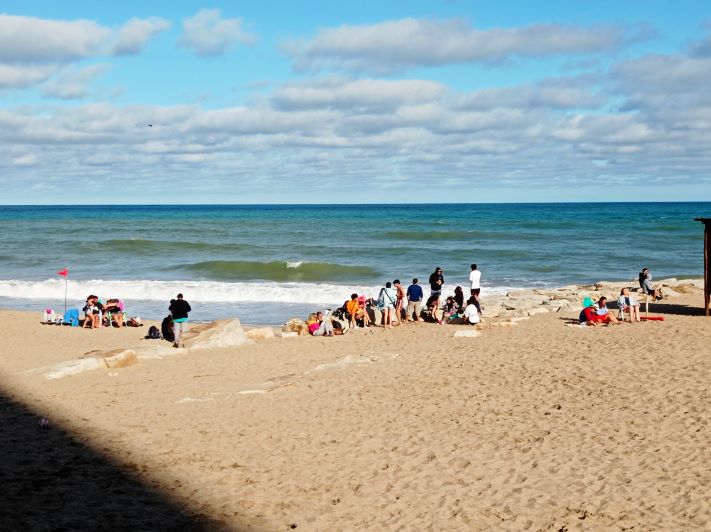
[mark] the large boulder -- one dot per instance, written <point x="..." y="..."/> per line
<point x="217" y="334"/>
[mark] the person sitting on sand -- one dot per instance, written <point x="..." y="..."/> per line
<point x="589" y="316"/>
<point x="320" y="325"/>
<point x="451" y="309"/>
<point x="89" y="313"/>
<point x="356" y="311"/>
<point x="114" y="307"/>
<point x="471" y="313"/>
<point x="459" y="297"/>
<point x="432" y="306"/>
<point x="627" y="303"/>
<point x="602" y="310"/>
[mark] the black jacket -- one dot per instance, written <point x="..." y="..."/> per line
<point x="179" y="308"/>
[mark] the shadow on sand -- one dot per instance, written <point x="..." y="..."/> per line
<point x="50" y="481"/>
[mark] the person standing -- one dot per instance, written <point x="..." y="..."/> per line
<point x="386" y="302"/>
<point x="475" y="285"/>
<point x="436" y="283"/>
<point x="179" y="309"/>
<point x="414" y="300"/>
<point x="400" y="301"/>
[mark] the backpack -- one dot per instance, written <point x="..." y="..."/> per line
<point x="166" y="329"/>
<point x="153" y="333"/>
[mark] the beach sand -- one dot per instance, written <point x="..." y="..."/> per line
<point x="536" y="426"/>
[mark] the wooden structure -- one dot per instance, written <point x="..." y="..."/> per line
<point x="707" y="261"/>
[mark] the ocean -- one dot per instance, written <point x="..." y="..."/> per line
<point x="267" y="263"/>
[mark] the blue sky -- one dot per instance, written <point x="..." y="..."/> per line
<point x="328" y="102"/>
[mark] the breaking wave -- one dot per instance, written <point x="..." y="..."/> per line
<point x="280" y="271"/>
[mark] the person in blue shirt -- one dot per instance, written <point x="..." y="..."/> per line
<point x="414" y="300"/>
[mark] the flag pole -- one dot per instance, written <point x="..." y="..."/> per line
<point x="64" y="273"/>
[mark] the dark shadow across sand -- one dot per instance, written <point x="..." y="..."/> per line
<point x="50" y="481"/>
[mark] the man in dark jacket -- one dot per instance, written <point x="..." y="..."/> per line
<point x="179" y="309"/>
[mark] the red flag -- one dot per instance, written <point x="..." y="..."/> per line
<point x="63" y="272"/>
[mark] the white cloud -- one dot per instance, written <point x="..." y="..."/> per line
<point x="28" y="159"/>
<point x="563" y="93"/>
<point x="333" y="129"/>
<point x="71" y="83"/>
<point x="35" y="40"/>
<point x="371" y="93"/>
<point x="134" y="34"/>
<point x="407" y="43"/>
<point x="19" y="76"/>
<point x="33" y="49"/>
<point x="208" y="34"/>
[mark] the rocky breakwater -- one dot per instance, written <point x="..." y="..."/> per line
<point x="518" y="304"/>
<point x="199" y="337"/>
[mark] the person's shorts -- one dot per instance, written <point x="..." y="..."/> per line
<point x="476" y="291"/>
<point x="436" y="293"/>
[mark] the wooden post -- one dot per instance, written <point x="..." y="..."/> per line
<point x="707" y="262"/>
<point x="707" y="267"/>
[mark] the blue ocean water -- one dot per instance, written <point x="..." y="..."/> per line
<point x="270" y="262"/>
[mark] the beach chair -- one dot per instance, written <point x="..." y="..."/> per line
<point x="110" y="315"/>
<point x="71" y="317"/>
<point x="51" y="318"/>
<point x="646" y="304"/>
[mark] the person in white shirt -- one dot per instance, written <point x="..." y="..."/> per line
<point x="471" y="313"/>
<point x="475" y="285"/>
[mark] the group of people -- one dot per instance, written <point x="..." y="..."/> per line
<point x="98" y="314"/>
<point x="398" y="304"/>
<point x="596" y="312"/>
<point x="111" y="313"/>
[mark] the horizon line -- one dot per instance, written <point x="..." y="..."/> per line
<point x="343" y="204"/>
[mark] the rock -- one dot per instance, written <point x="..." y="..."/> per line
<point x="288" y="334"/>
<point x="538" y="310"/>
<point x="670" y="292"/>
<point x="698" y="283"/>
<point x="296" y="325"/>
<point x="261" y="333"/>
<point x="217" y="334"/>
<point x="492" y="311"/>
<point x="614" y="285"/>
<point x="669" y="282"/>
<point x="469" y="333"/>
<point x="686" y="289"/>
<point x="120" y="359"/>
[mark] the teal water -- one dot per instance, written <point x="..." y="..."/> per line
<point x="263" y="263"/>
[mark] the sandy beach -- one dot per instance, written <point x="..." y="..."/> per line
<point x="536" y="426"/>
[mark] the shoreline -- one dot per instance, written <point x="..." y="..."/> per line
<point x="496" y="302"/>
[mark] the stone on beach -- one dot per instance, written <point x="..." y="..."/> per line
<point x="261" y="333"/>
<point x="467" y="333"/>
<point x="216" y="334"/>
<point x="296" y="325"/>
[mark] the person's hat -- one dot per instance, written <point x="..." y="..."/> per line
<point x="588" y="302"/>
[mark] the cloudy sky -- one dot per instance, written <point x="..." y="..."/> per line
<point x="346" y="102"/>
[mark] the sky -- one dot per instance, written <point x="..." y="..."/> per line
<point x="354" y="102"/>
